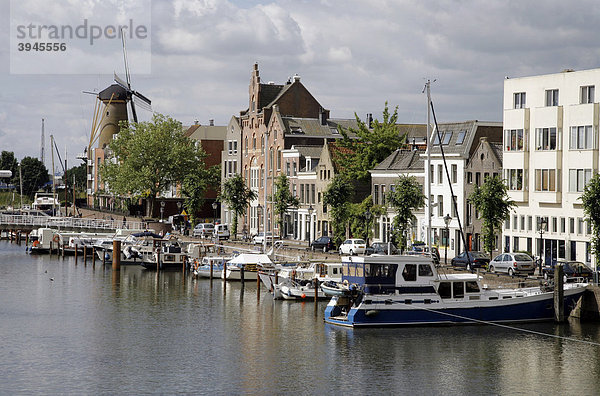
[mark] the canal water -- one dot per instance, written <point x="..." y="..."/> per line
<point x="83" y="329"/>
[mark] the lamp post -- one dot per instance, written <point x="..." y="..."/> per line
<point x="542" y="222"/>
<point x="214" y="206"/>
<point x="447" y="220"/>
<point x="367" y="224"/>
<point x="308" y="232"/>
<point x="162" y="210"/>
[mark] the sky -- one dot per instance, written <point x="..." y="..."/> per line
<point x="196" y="58"/>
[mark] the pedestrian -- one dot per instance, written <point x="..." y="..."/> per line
<point x="124" y="222"/>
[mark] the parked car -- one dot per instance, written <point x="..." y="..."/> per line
<point x="425" y="250"/>
<point x="382" y="248"/>
<point x="513" y="263"/>
<point x="203" y="230"/>
<point x="573" y="270"/>
<point x="221" y="231"/>
<point x="323" y="243"/>
<point x="474" y="260"/>
<point x="353" y="246"/>
<point x="259" y="238"/>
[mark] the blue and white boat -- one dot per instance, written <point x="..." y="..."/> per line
<point x="408" y="290"/>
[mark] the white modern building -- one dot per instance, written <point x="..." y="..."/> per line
<point x="550" y="151"/>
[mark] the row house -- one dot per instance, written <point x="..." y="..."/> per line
<point x="279" y="117"/>
<point x="231" y="163"/>
<point x="550" y="152"/>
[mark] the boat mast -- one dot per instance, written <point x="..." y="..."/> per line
<point x="53" y="175"/>
<point x="428" y="164"/>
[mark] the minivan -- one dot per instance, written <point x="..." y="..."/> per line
<point x="221" y="231"/>
<point x="204" y="230"/>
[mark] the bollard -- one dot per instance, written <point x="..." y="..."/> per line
<point x="559" y="303"/>
<point x="116" y="260"/>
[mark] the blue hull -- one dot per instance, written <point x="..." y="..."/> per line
<point x="414" y="314"/>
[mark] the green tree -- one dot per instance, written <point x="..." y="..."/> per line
<point x="9" y="162"/>
<point x="80" y="173"/>
<point x="148" y="157"/>
<point x="34" y="174"/>
<point x="362" y="216"/>
<point x="195" y="184"/>
<point x="237" y="197"/>
<point x="406" y="197"/>
<point x="370" y="146"/>
<point x="337" y="197"/>
<point x="493" y="205"/>
<point x="283" y="200"/>
<point x="591" y="207"/>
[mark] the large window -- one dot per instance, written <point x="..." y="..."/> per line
<point x="513" y="139"/>
<point x="552" y="97"/>
<point x="514" y="179"/>
<point x="519" y="100"/>
<point x="545" y="180"/>
<point x="582" y="137"/>
<point x="578" y="178"/>
<point x="587" y="94"/>
<point x="460" y="138"/>
<point x="545" y="138"/>
<point x="447" y="137"/>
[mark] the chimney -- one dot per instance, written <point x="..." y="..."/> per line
<point x="296" y="78"/>
<point x="369" y="120"/>
<point x="196" y="122"/>
<point x="211" y="122"/>
<point x="323" y="116"/>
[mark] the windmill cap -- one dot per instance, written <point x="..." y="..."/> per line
<point x="119" y="93"/>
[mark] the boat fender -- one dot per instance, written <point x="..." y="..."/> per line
<point x="303" y="295"/>
<point x="345" y="283"/>
<point x="36" y="243"/>
<point x="371" y="313"/>
<point x="56" y="238"/>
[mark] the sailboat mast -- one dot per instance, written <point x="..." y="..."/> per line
<point x="428" y="164"/>
<point x="53" y="176"/>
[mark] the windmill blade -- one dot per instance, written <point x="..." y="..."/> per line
<point x="141" y="97"/>
<point x="133" y="113"/>
<point x="125" y="59"/>
<point x="122" y="83"/>
<point x="143" y="105"/>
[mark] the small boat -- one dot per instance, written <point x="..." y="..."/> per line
<point x="408" y="290"/>
<point x="202" y="268"/>
<point x="168" y="254"/>
<point x="291" y="289"/>
<point x="333" y="288"/>
<point x="42" y="239"/>
<point x="249" y="262"/>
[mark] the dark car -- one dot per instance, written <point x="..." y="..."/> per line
<point x="474" y="260"/>
<point x="381" y="248"/>
<point x="323" y="243"/>
<point x="573" y="270"/>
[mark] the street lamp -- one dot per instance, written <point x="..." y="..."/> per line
<point x="447" y="220"/>
<point x="308" y="232"/>
<point x="367" y="224"/>
<point x="214" y="206"/>
<point x="542" y="222"/>
<point x="162" y="209"/>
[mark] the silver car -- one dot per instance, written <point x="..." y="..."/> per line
<point x="513" y="263"/>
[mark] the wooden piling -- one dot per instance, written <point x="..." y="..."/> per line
<point x="258" y="285"/>
<point x="116" y="260"/>
<point x="84" y="254"/>
<point x="157" y="260"/>
<point x="559" y="303"/>
<point x="93" y="256"/>
<point x="242" y="274"/>
<point x="76" y="254"/>
<point x="103" y="258"/>
<point x="211" y="270"/>
<point x="316" y="282"/>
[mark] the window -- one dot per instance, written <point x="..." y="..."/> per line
<point x="312" y="193"/>
<point x="519" y="100"/>
<point x="460" y="138"/>
<point x="453" y="207"/>
<point x="515" y="222"/>
<point x="522" y="228"/>
<point x="571" y="225"/>
<point x="579" y="225"/>
<point x="440" y="205"/>
<point x="469" y="178"/>
<point x="454" y="173"/>
<point x="472" y="287"/>
<point x="578" y="178"/>
<point x="294" y="173"/>
<point x="230" y="147"/>
<point x="552" y="97"/>
<point x="554" y="224"/>
<point x="302" y="193"/>
<point x="431" y="173"/>
<point x="581" y="137"/>
<point x="440" y="175"/>
<point x="545" y="138"/>
<point x="409" y="273"/>
<point x="425" y="270"/>
<point x="436" y="137"/>
<point x="513" y="139"/>
<point x="235" y="147"/>
<point x="458" y="289"/>
<point x="562" y="225"/>
<point x="587" y="94"/>
<point x="383" y="194"/>
<point x="444" y="290"/>
<point x="447" y="137"/>
<point x="376" y="194"/>
<point x="529" y="223"/>
<point x="478" y="178"/>
<point x="545" y="180"/>
<point x="287" y="168"/>
<point x="514" y="179"/>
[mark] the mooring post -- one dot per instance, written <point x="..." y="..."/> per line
<point x="84" y="254"/>
<point x="211" y="270"/>
<point x="559" y="303"/>
<point x="76" y="254"/>
<point x="242" y="274"/>
<point x="103" y="258"/>
<point x="116" y="260"/>
<point x="93" y="256"/>
<point x="157" y="259"/>
<point x="258" y="286"/>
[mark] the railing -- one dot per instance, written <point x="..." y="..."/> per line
<point x="67" y="222"/>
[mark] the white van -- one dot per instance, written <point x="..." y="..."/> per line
<point x="222" y="231"/>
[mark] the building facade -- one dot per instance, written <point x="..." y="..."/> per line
<point x="550" y="151"/>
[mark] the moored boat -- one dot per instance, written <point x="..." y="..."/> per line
<point x="408" y="290"/>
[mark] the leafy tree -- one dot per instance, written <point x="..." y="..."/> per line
<point x="9" y="162"/>
<point x="237" y="197"/>
<point x="337" y="196"/>
<point x="591" y="208"/>
<point x="283" y="200"/>
<point x="362" y="216"/>
<point x="34" y="174"/>
<point x="148" y="157"/>
<point x="371" y="146"/>
<point x="195" y="183"/>
<point x="406" y="197"/>
<point x="80" y="173"/>
<point x="493" y="205"/>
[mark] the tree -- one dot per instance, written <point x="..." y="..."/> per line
<point x="283" y="200"/>
<point x="371" y="146"/>
<point x="148" y="157"/>
<point x="591" y="207"/>
<point x="337" y="197"/>
<point x="195" y="184"/>
<point x="9" y="162"/>
<point x="406" y="197"/>
<point x="237" y="197"/>
<point x="493" y="205"/>
<point x="80" y="173"/>
<point x="362" y="216"/>
<point x="34" y="174"/>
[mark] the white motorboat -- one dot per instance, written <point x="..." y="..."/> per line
<point x="250" y="264"/>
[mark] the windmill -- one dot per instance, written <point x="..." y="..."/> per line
<point x="111" y="107"/>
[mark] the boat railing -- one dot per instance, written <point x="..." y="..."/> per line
<point x="67" y="222"/>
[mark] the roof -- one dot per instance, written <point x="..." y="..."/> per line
<point x="119" y="93"/>
<point x="309" y="151"/>
<point x="270" y="94"/>
<point x="497" y="149"/>
<point x="336" y="152"/>
<point x="452" y="132"/>
<point x="205" y="132"/>
<point x="314" y="127"/>
<point x="402" y="160"/>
